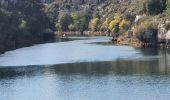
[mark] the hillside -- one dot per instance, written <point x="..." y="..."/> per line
<point x="144" y="20"/>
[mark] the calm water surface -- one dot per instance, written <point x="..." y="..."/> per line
<point x="83" y="70"/>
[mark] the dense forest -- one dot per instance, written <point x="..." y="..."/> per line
<point x="22" y="24"/>
<point x="26" y="22"/>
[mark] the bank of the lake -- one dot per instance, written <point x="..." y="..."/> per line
<point x="135" y="42"/>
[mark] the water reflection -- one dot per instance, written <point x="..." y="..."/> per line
<point x="116" y="80"/>
<point x="159" y="66"/>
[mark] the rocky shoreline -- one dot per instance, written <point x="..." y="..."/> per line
<point x="155" y="33"/>
<point x="135" y="42"/>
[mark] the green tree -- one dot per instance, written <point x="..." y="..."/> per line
<point x="81" y="20"/>
<point x="81" y="24"/>
<point x="64" y="21"/>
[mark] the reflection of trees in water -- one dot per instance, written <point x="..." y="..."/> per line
<point x="135" y="67"/>
<point x="144" y="67"/>
<point x="164" y="61"/>
<point x="126" y="67"/>
<point x="16" y="72"/>
<point x="161" y="65"/>
<point x="84" y="68"/>
<point x="148" y="51"/>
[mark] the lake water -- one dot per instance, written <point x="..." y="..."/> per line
<point x="84" y="70"/>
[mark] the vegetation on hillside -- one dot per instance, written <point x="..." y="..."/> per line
<point x="75" y="21"/>
<point x="22" y="24"/>
<point x="116" y="17"/>
<point x="141" y="18"/>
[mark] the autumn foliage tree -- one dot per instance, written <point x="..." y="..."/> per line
<point x="94" y="24"/>
<point x="124" y="24"/>
<point x="105" y="25"/>
<point x="114" y="24"/>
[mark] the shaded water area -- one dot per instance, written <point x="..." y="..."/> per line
<point x="83" y="70"/>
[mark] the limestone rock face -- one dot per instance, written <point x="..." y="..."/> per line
<point x="163" y="32"/>
<point x="168" y="35"/>
<point x="138" y="17"/>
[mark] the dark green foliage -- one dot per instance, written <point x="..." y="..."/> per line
<point x="64" y="21"/>
<point x="79" y="20"/>
<point x="154" y="7"/>
<point x="82" y="21"/>
<point x="116" y="28"/>
<point x="22" y="24"/>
